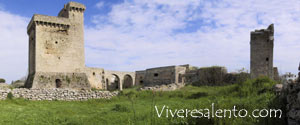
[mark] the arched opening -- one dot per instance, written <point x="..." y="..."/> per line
<point x="58" y="83"/>
<point x="128" y="82"/>
<point x="114" y="82"/>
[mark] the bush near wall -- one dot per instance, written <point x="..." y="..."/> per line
<point x="211" y="75"/>
<point x="217" y="75"/>
<point x="18" y="84"/>
<point x="232" y="78"/>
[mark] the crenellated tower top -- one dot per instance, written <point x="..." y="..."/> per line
<point x="71" y="7"/>
<point x="72" y="12"/>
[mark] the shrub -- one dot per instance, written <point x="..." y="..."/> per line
<point x="198" y="95"/>
<point x="18" y="84"/>
<point x="2" y="80"/>
<point x="10" y="96"/>
<point x="232" y="78"/>
<point x="256" y="86"/>
<point x="218" y="76"/>
<point x="94" y="89"/>
<point x="120" y="108"/>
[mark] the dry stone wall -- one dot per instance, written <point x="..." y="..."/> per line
<point x="57" y="94"/>
<point x="169" y="87"/>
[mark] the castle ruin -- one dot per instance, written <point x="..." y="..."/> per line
<point x="57" y="59"/>
<point x="56" y="54"/>
<point x="261" y="53"/>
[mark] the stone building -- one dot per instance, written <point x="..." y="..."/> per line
<point x="56" y="54"/>
<point x="161" y="75"/>
<point x="261" y="52"/>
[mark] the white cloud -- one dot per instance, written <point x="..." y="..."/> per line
<point x="142" y="34"/>
<point x="100" y="4"/>
<point x="14" y="46"/>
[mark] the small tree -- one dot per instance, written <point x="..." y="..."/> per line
<point x="2" y="80"/>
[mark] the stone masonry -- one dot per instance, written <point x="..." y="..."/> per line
<point x="57" y="59"/>
<point x="56" y="54"/>
<point x="56" y="94"/>
<point x="261" y="55"/>
<point x="161" y="75"/>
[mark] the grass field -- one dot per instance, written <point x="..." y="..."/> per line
<point x="137" y="107"/>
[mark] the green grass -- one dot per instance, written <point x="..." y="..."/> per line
<point x="137" y="107"/>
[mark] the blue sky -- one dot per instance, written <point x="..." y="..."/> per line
<point x="52" y="7"/>
<point x="131" y="35"/>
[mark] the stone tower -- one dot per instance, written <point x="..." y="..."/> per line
<point x="261" y="55"/>
<point x="56" y="49"/>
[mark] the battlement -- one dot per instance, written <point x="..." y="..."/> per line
<point x="61" y="21"/>
<point x="75" y="6"/>
<point x="263" y="33"/>
<point x="50" y="21"/>
<point x="269" y="30"/>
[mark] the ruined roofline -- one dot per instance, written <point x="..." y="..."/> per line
<point x="270" y="29"/>
<point x="94" y="68"/>
<point x="141" y="71"/>
<point x="173" y="66"/>
<point x="48" y="21"/>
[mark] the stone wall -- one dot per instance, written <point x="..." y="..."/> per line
<point x="96" y="77"/>
<point x="58" y="80"/>
<point x="139" y="77"/>
<point x="161" y="75"/>
<point x="56" y="94"/>
<point x="169" y="87"/>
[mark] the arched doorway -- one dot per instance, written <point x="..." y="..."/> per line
<point x="58" y="83"/>
<point x="128" y="82"/>
<point x="114" y="82"/>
